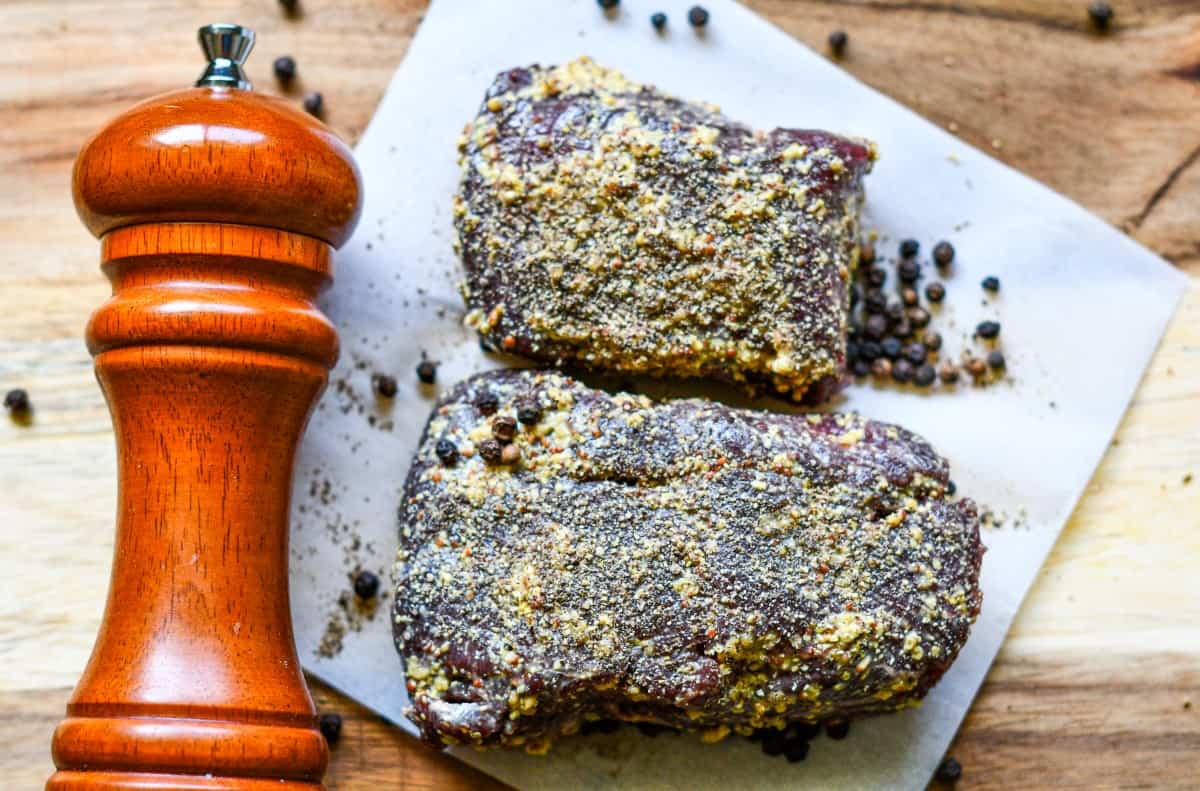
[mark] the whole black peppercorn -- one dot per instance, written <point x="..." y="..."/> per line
<point x="902" y="328"/>
<point x="949" y="770"/>
<point x="875" y="327"/>
<point x="995" y="359"/>
<point x="909" y="248"/>
<point x="529" y="411"/>
<point x="659" y="20"/>
<point x="861" y="368"/>
<point x="925" y="375"/>
<point x="975" y="367"/>
<point x="837" y="729"/>
<point x="932" y="341"/>
<point x="289" y="5"/>
<point x="876" y="276"/>
<point x="427" y="371"/>
<point x="697" y="16"/>
<point x="314" y="104"/>
<point x="773" y="742"/>
<point x="909" y="296"/>
<point x="803" y="730"/>
<point x="490" y="451"/>
<point x="837" y="42"/>
<point x="943" y="254"/>
<point x="935" y="292"/>
<point x="608" y="4"/>
<point x="919" y="317"/>
<point x="882" y="368"/>
<point x="916" y="353"/>
<point x="902" y="370"/>
<point x="487" y="402"/>
<point x="948" y="373"/>
<point x="988" y="329"/>
<point x="991" y="283"/>
<point x="795" y="750"/>
<point x="891" y="347"/>
<point x="908" y="270"/>
<point x="331" y="727"/>
<point x="16" y="401"/>
<point x="866" y="254"/>
<point x="447" y="451"/>
<point x="504" y="428"/>
<point x="366" y="584"/>
<point x="951" y="487"/>
<point x="385" y="385"/>
<point x="1101" y="14"/>
<point x="874" y="301"/>
<point x="869" y="350"/>
<point x="285" y="68"/>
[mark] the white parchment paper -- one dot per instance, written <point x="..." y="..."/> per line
<point x="1082" y="309"/>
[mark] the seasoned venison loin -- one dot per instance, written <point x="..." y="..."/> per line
<point x="682" y="563"/>
<point x="605" y="224"/>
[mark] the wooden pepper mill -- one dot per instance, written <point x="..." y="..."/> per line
<point x="217" y="211"/>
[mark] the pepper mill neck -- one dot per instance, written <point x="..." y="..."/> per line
<point x="226" y="47"/>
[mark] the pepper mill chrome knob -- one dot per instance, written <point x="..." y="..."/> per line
<point x="226" y="47"/>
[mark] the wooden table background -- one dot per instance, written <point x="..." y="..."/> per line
<point x="1098" y="685"/>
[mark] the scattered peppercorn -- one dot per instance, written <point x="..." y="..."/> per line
<point x="933" y="341"/>
<point x="891" y="347"/>
<point x="861" y="368"/>
<point x="875" y="327"/>
<point x="659" y="20"/>
<point x="902" y="328"/>
<point x="608" y="5"/>
<point x="288" y="5"/>
<point x="995" y="359"/>
<point x="909" y="296"/>
<point x="916" y="353"/>
<point x="875" y="301"/>
<point x="427" y="371"/>
<point x="925" y="375"/>
<point x="16" y="401"/>
<point x="975" y="367"/>
<point x="510" y="454"/>
<point x="935" y="292"/>
<point x="866" y="254"/>
<point x="902" y="370"/>
<point x="529" y="412"/>
<point x="909" y="248"/>
<point x="991" y="283"/>
<point x="698" y="16"/>
<point x="876" y="276"/>
<point x="948" y="373"/>
<point x="504" y="428"/>
<point x="795" y="750"/>
<point x="314" y="104"/>
<point x="385" y="385"/>
<point x="837" y="729"/>
<point x="773" y="742"/>
<point x="331" y="727"/>
<point x="951" y="487"/>
<point x="447" y="451"/>
<point x="487" y="402"/>
<point x="919" y="317"/>
<point x="949" y="770"/>
<point x="908" y="270"/>
<point x="1101" y="14"/>
<point x="882" y="368"/>
<point x="285" y="68"/>
<point x="366" y="584"/>
<point x="490" y="451"/>
<point x="869" y="350"/>
<point x="943" y="254"/>
<point x="988" y="329"/>
<point x="837" y="42"/>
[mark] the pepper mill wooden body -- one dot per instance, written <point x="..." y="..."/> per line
<point x="217" y="210"/>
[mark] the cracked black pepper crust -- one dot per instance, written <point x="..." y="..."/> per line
<point x="682" y="563"/>
<point x="605" y="224"/>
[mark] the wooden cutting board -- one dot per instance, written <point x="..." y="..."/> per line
<point x="1098" y="685"/>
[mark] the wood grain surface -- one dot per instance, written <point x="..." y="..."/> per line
<point x="1098" y="685"/>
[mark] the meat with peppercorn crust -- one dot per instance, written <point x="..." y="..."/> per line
<point x="605" y="224"/>
<point x="685" y="563"/>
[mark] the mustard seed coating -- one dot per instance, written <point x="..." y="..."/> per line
<point x="605" y="224"/>
<point x="685" y="564"/>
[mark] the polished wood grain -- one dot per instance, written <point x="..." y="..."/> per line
<point x="216" y="210"/>
<point x="1089" y="689"/>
